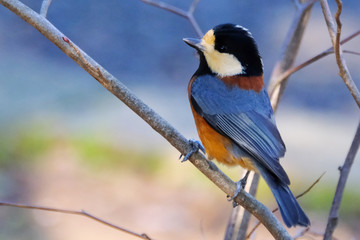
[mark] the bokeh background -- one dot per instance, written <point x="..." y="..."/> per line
<point x="66" y="142"/>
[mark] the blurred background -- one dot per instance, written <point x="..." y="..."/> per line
<point x="66" y="142"/>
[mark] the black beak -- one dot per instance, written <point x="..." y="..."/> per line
<point x="195" y="43"/>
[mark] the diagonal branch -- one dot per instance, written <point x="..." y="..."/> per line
<point x="189" y="15"/>
<point x="351" y="52"/>
<point x="290" y="48"/>
<point x="244" y="226"/>
<point x="80" y="213"/>
<point x="239" y="218"/>
<point x="335" y="37"/>
<point x="209" y="169"/>
<point x="344" y="173"/>
<point x="193" y="6"/>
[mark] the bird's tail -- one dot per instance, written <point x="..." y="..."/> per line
<point x="290" y="209"/>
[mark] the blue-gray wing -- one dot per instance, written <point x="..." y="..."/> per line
<point x="245" y="116"/>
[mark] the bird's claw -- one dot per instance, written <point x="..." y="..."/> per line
<point x="195" y="146"/>
<point x="239" y="186"/>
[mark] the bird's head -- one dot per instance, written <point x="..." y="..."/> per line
<point x="228" y="50"/>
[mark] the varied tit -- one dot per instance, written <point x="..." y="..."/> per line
<point x="233" y="115"/>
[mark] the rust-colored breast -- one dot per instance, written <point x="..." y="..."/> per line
<point x="255" y="83"/>
<point x="214" y="143"/>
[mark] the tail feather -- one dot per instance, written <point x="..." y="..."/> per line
<point x="290" y="209"/>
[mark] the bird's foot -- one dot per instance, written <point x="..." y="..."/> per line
<point x="239" y="186"/>
<point x="195" y="146"/>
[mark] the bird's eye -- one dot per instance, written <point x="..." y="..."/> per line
<point x="222" y="48"/>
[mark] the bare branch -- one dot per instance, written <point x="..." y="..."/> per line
<point x="335" y="36"/>
<point x="195" y="25"/>
<point x="112" y="84"/>
<point x="285" y="75"/>
<point x="81" y="213"/>
<point x="344" y="173"/>
<point x="189" y="15"/>
<point x="312" y="232"/>
<point x="193" y="6"/>
<point x="309" y="231"/>
<point x="297" y="3"/>
<point x="290" y="49"/>
<point x="308" y="3"/>
<point x="231" y="226"/>
<point x="345" y="75"/>
<point x="311" y="186"/>
<point x="246" y="215"/>
<point x="302" y="4"/>
<point x="167" y="7"/>
<point x="351" y="52"/>
<point x="192" y="20"/>
<point x="239" y="219"/>
<point x="338" y="29"/>
<point x="44" y="7"/>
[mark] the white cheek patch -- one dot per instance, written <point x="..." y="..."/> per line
<point x="223" y="64"/>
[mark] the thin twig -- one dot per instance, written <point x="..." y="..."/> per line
<point x="167" y="7"/>
<point x="161" y="126"/>
<point x="193" y="6"/>
<point x="189" y="15"/>
<point x="309" y="4"/>
<point x="297" y="4"/>
<point x="45" y="7"/>
<point x="338" y="33"/>
<point x="285" y="75"/>
<point x="298" y="196"/>
<point x="244" y="226"/>
<point x="344" y="173"/>
<point x="335" y="36"/>
<point x="309" y="232"/>
<point x="351" y="52"/>
<point x="239" y="218"/>
<point x="290" y="48"/>
<point x="230" y="227"/>
<point x="74" y="212"/>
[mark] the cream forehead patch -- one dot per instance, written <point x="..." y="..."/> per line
<point x="209" y="38"/>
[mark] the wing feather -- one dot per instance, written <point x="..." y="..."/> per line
<point x="245" y="117"/>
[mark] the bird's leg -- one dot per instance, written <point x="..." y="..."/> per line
<point x="195" y="146"/>
<point x="239" y="185"/>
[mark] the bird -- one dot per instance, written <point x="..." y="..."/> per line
<point x="233" y="115"/>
